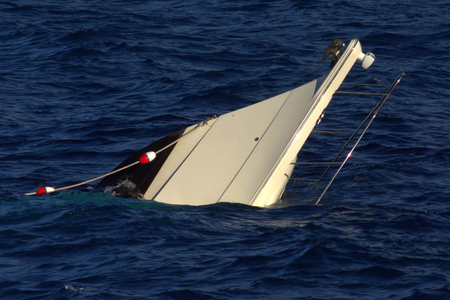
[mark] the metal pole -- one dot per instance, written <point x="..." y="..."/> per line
<point x="375" y="110"/>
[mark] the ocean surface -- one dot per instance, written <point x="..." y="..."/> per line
<point x="84" y="84"/>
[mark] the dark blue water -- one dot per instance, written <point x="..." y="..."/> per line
<point x="84" y="84"/>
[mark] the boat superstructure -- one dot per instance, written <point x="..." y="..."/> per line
<point x="245" y="156"/>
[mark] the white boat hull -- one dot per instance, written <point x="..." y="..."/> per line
<point x="244" y="156"/>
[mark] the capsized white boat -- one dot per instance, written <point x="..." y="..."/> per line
<point x="245" y="156"/>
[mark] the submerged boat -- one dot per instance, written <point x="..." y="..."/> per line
<point x="246" y="156"/>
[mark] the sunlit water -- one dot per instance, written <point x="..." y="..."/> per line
<point x="84" y="84"/>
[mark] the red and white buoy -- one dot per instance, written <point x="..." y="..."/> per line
<point x="147" y="157"/>
<point x="45" y="190"/>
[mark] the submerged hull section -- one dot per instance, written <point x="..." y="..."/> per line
<point x="244" y="156"/>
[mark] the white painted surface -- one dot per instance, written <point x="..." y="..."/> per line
<point x="245" y="156"/>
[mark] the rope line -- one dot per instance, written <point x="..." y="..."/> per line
<point x="130" y="165"/>
<point x="90" y="180"/>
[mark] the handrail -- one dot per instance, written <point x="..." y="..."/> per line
<point x="372" y="116"/>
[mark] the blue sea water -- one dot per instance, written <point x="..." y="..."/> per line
<point x="84" y="84"/>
